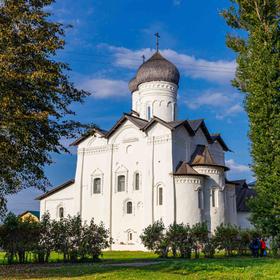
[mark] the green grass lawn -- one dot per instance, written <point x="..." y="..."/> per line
<point x="115" y="266"/>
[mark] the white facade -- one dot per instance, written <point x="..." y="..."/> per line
<point x="126" y="178"/>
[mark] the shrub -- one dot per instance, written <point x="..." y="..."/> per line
<point x="199" y="234"/>
<point x="18" y="237"/>
<point x="226" y="238"/>
<point x="45" y="243"/>
<point x="154" y="239"/>
<point x="95" y="238"/>
<point x="209" y="248"/>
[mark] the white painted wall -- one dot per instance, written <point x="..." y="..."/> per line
<point x="64" y="198"/>
<point x="160" y="96"/>
<point x="243" y="220"/>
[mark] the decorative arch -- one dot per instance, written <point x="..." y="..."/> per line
<point x="137" y="182"/>
<point x="60" y="211"/>
<point x="119" y="173"/>
<point x="128" y="207"/>
<point x="159" y="191"/>
<point x="97" y="174"/>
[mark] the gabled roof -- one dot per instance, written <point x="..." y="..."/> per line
<point x="196" y="124"/>
<point x="58" y="188"/>
<point x="140" y="123"/>
<point x="192" y="126"/>
<point x="184" y="169"/>
<point x="157" y="120"/>
<point x="88" y="134"/>
<point x="217" y="137"/>
<point x="34" y="213"/>
<point x="202" y="156"/>
<point x="243" y="193"/>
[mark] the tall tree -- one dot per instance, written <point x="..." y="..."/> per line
<point x="258" y="76"/>
<point x="35" y="94"/>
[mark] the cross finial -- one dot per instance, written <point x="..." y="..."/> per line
<point x="143" y="57"/>
<point x="157" y="41"/>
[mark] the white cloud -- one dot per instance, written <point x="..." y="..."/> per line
<point x="231" y="111"/>
<point x="223" y="104"/>
<point x="220" y="71"/>
<point x="236" y="167"/>
<point x="105" y="88"/>
<point x="213" y="99"/>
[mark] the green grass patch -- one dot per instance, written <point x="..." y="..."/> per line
<point x="117" y="265"/>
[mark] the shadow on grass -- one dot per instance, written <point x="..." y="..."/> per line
<point x="169" y="267"/>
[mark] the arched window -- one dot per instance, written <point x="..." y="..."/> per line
<point x="97" y="185"/>
<point x="200" y="199"/>
<point x="137" y="181"/>
<point x="129" y="207"/>
<point x="60" y="212"/>
<point x="149" y="113"/>
<point x="130" y="236"/>
<point x="214" y="200"/>
<point x="121" y="183"/>
<point x="160" y="196"/>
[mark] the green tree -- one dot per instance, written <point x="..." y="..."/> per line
<point x="155" y="239"/>
<point x="226" y="237"/>
<point x="18" y="237"/>
<point x="258" y="76"/>
<point x="199" y="234"/>
<point x="95" y="239"/>
<point x="45" y="242"/>
<point x="35" y="95"/>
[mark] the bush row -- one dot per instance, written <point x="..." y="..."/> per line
<point x="183" y="240"/>
<point x="69" y="236"/>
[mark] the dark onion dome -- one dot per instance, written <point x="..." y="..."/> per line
<point x="156" y="68"/>
<point x="133" y="86"/>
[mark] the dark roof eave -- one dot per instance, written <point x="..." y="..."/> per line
<point x="190" y="175"/>
<point x="58" y="188"/>
<point x="215" y="165"/>
<point x="84" y="137"/>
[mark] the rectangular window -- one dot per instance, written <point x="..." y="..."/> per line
<point x="160" y="196"/>
<point x="137" y="185"/>
<point x="213" y="194"/>
<point x="200" y="199"/>
<point x="121" y="183"/>
<point x="97" y="185"/>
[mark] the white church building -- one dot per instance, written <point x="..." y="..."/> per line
<point x="150" y="166"/>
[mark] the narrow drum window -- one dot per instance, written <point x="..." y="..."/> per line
<point x="213" y="195"/>
<point x="137" y="181"/>
<point x="97" y="185"/>
<point x="129" y="207"/>
<point x="121" y="183"/>
<point x="61" y="212"/>
<point x="149" y="113"/>
<point x="130" y="236"/>
<point x="200" y="199"/>
<point x="160" y="196"/>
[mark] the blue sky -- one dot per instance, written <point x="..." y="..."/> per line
<point x="104" y="49"/>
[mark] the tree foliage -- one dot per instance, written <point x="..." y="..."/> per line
<point x="68" y="236"/>
<point x="258" y="76"/>
<point x="35" y="95"/>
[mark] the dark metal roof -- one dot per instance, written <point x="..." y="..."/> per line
<point x="157" y="68"/>
<point x="202" y="156"/>
<point x="88" y="134"/>
<point x="243" y="193"/>
<point x="58" y="188"/>
<point x="133" y="85"/>
<point x="192" y="127"/>
<point x="184" y="169"/>
<point x="217" y="137"/>
<point x="140" y="123"/>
